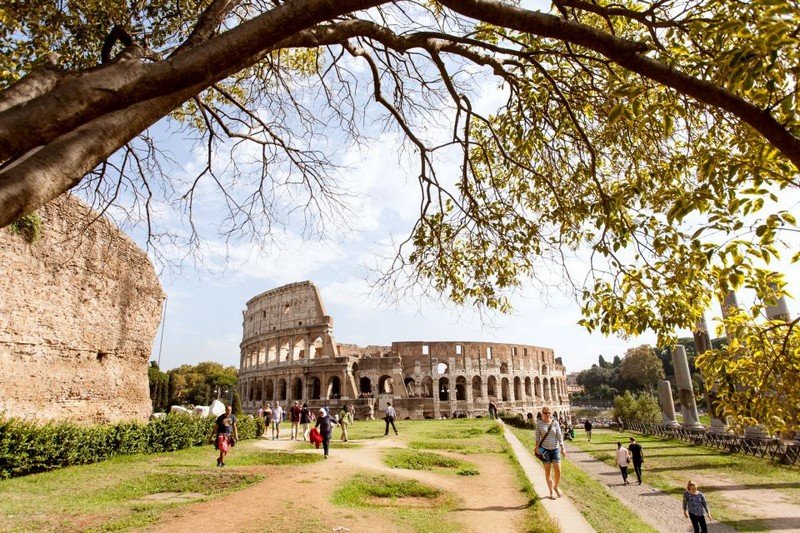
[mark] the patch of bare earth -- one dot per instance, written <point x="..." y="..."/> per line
<point x="298" y="498"/>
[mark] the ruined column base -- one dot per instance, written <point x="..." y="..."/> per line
<point x="756" y="432"/>
<point x="718" y="427"/>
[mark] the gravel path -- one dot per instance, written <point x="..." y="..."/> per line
<point x="657" y="508"/>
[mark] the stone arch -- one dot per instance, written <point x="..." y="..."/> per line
<point x="272" y="354"/>
<point x="314" y="388"/>
<point x="251" y="392"/>
<point x="491" y="387"/>
<point x="528" y="389"/>
<point x="546" y="389"/>
<point x="461" y="388"/>
<point x="259" y="391"/>
<point x="297" y="389"/>
<point x="504" y="368"/>
<point x="315" y="349"/>
<point x="553" y="389"/>
<point x="442" y="368"/>
<point x="269" y="393"/>
<point x="427" y="387"/>
<point x="537" y="387"/>
<point x="298" y="351"/>
<point x="504" y="390"/>
<point x="282" y="390"/>
<point x="334" y="390"/>
<point x="476" y="387"/>
<point x="385" y="385"/>
<point x="365" y="385"/>
<point x="517" y="388"/>
<point x="444" y="390"/>
<point x="411" y="386"/>
<point x="544" y="369"/>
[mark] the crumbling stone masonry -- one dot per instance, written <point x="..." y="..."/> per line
<point x="79" y="310"/>
<point x="288" y="353"/>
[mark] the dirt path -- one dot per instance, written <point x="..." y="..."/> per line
<point x="490" y="501"/>
<point x="657" y="508"/>
<point x="771" y="508"/>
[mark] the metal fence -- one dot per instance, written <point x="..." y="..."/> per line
<point x="781" y="451"/>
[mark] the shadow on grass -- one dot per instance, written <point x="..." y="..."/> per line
<point x="765" y="524"/>
<point x="499" y="507"/>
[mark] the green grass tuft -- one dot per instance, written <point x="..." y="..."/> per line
<point x="275" y="458"/>
<point x="413" y="460"/>
<point x="358" y="490"/>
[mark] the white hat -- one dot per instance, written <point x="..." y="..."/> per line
<point x="323" y="411"/>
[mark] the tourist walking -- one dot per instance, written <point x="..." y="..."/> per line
<point x="267" y="419"/>
<point x="623" y="460"/>
<point x="226" y="433"/>
<point x="695" y="507"/>
<point x="389" y="415"/>
<point x="277" y="418"/>
<point x="295" y="417"/>
<point x="345" y="420"/>
<point x="550" y="441"/>
<point x="637" y="456"/>
<point x="305" y="420"/>
<point x="587" y="427"/>
<point x="492" y="409"/>
<point x="325" y="426"/>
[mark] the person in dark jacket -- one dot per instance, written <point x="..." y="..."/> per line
<point x="325" y="425"/>
<point x="305" y="420"/>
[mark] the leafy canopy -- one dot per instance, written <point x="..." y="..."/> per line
<point x="653" y="144"/>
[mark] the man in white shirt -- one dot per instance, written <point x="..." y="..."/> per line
<point x="277" y="418"/>
<point x="390" y="415"/>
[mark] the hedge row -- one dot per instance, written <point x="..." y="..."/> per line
<point x="27" y="447"/>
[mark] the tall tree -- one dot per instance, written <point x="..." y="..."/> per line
<point x="622" y="123"/>
<point x="642" y="366"/>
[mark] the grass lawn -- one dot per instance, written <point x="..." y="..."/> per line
<point x="669" y="464"/>
<point x="600" y="508"/>
<point x="128" y="491"/>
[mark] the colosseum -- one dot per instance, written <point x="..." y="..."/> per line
<point x="288" y="353"/>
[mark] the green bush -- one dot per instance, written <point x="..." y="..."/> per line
<point x="27" y="447"/>
<point x="639" y="408"/>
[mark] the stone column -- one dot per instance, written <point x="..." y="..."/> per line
<point x="779" y="311"/>
<point x="666" y="404"/>
<point x="702" y="343"/>
<point x="683" y="380"/>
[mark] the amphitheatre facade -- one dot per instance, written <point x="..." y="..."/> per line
<point x="288" y="353"/>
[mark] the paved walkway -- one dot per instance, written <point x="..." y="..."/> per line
<point x="561" y="509"/>
<point x="657" y="508"/>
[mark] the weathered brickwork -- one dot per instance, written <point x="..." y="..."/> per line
<point x="288" y="353"/>
<point x="79" y="310"/>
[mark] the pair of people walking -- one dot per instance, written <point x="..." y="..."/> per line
<point x="632" y="454"/>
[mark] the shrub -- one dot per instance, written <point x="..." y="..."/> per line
<point x="27" y="447"/>
<point x="639" y="408"/>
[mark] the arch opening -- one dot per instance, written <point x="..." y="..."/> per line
<point x="444" y="390"/>
<point x="461" y="388"/>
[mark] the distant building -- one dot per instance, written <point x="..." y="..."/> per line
<point x="572" y="384"/>
<point x="288" y="353"/>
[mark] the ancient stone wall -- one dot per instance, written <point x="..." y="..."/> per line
<point x="79" y="309"/>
